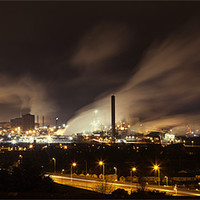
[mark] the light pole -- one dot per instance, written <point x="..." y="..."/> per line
<point x="73" y="165"/>
<point x="115" y="168"/>
<point x="166" y="179"/>
<point x="56" y="123"/>
<point x="156" y="168"/>
<point x="133" y="169"/>
<point x="85" y="167"/>
<point x="54" y="161"/>
<point x="101" y="163"/>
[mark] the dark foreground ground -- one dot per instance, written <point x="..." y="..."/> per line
<point x="67" y="192"/>
<point x="59" y="192"/>
<point x="22" y="172"/>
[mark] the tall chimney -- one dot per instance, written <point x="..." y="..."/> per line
<point x="43" y="120"/>
<point x="38" y="119"/>
<point x="113" y="114"/>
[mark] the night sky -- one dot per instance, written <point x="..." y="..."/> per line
<point x="57" y="57"/>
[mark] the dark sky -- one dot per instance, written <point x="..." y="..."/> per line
<point x="56" y="57"/>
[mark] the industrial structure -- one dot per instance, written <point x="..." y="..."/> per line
<point x="113" y="115"/>
<point x="26" y="122"/>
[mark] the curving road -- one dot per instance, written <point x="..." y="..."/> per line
<point x="108" y="187"/>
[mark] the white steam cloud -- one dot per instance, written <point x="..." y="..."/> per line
<point x="163" y="93"/>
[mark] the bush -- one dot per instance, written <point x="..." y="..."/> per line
<point x="120" y="193"/>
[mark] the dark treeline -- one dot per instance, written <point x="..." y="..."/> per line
<point x="171" y="158"/>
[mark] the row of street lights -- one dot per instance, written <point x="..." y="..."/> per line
<point x="72" y="165"/>
<point x="101" y="163"/>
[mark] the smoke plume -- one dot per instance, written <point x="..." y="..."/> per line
<point x="162" y="94"/>
<point x="100" y="43"/>
<point x="24" y="95"/>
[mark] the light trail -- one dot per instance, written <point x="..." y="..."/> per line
<point x="180" y="192"/>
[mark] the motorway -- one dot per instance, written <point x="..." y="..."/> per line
<point x="108" y="187"/>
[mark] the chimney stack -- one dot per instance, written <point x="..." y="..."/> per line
<point x="43" y="121"/>
<point x="113" y="114"/>
<point x="38" y="119"/>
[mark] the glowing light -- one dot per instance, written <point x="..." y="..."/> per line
<point x="14" y="142"/>
<point x="49" y="139"/>
<point x="74" y="164"/>
<point x="156" y="167"/>
<point x="134" y="169"/>
<point x="70" y="138"/>
<point x="101" y="163"/>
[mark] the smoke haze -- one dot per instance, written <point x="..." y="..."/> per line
<point x="101" y="42"/>
<point x="23" y="95"/>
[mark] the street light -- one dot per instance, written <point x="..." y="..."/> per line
<point x="85" y="167"/>
<point x="54" y="161"/>
<point x="166" y="178"/>
<point x="101" y="163"/>
<point x="56" y="122"/>
<point x="73" y="165"/>
<point x="133" y="169"/>
<point x="115" y="168"/>
<point x="157" y="168"/>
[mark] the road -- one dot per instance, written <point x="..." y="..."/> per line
<point x="108" y="187"/>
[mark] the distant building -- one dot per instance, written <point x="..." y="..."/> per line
<point x="17" y="122"/>
<point x="4" y="125"/>
<point x="28" y="122"/>
<point x="155" y="137"/>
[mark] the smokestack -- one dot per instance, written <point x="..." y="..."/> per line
<point x="113" y="114"/>
<point x="38" y="119"/>
<point x="43" y="121"/>
<point x="56" y="122"/>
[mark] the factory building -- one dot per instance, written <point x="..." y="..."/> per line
<point x="17" y="122"/>
<point x="4" y="125"/>
<point x="26" y="122"/>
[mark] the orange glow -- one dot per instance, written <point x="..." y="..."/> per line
<point x="134" y="169"/>
<point x="101" y="163"/>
